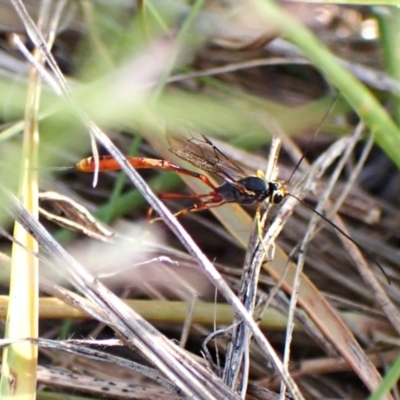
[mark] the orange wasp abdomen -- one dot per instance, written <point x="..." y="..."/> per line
<point x="108" y="163"/>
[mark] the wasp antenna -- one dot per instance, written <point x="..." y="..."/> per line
<point x="367" y="253"/>
<point x="316" y="133"/>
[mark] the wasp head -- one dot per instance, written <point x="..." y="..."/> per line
<point x="277" y="192"/>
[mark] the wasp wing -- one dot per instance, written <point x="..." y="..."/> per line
<point x="203" y="154"/>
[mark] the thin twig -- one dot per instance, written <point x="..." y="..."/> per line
<point x="238" y="66"/>
<point x="296" y="282"/>
<point x="236" y="369"/>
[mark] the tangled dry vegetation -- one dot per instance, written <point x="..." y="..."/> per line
<point x="199" y="308"/>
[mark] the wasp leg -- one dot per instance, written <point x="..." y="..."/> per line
<point x="204" y="205"/>
<point x="260" y="174"/>
<point x="215" y="201"/>
<point x="260" y="230"/>
<point x="260" y="233"/>
<point x="176" y="196"/>
<point x="215" y="198"/>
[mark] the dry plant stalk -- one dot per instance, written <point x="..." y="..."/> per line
<point x="237" y="363"/>
<point x="19" y="363"/>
